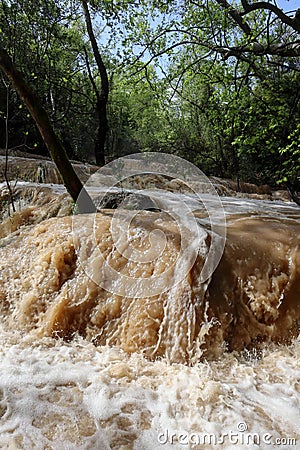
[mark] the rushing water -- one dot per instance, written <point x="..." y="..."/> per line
<point x="212" y="364"/>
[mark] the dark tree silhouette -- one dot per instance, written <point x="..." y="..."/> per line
<point x="55" y="148"/>
<point x="101" y="96"/>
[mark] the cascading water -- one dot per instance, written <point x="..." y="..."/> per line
<point x="91" y="360"/>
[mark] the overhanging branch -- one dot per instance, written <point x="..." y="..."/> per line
<point x="235" y="15"/>
<point x="292" y="22"/>
<point x="290" y="49"/>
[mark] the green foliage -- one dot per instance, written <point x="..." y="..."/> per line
<point x="290" y="170"/>
<point x="138" y="117"/>
<point x="232" y="106"/>
<point x="46" y="40"/>
<point x="178" y="83"/>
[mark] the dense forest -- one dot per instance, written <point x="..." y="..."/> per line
<point x="214" y="81"/>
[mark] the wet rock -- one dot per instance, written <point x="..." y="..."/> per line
<point x="126" y="200"/>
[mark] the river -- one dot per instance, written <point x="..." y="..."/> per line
<point x="89" y="362"/>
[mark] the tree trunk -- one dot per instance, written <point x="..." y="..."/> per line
<point x="41" y="118"/>
<point x="102" y="130"/>
<point x="102" y="97"/>
<point x="293" y="193"/>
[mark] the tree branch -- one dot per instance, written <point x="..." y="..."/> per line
<point x="292" y="22"/>
<point x="98" y="58"/>
<point x="289" y="49"/>
<point x="235" y="15"/>
<point x="90" y="75"/>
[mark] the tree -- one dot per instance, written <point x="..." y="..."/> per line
<point x="242" y="30"/>
<point x="260" y="41"/>
<point x="245" y="57"/>
<point x="53" y="34"/>
<point x="40" y="116"/>
<point x="215" y="82"/>
<point x="102" y="96"/>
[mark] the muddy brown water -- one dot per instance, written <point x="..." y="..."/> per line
<point x="200" y="365"/>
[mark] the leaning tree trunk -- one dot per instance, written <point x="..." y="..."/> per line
<point x="102" y="96"/>
<point x="41" y="118"/>
<point x="293" y="193"/>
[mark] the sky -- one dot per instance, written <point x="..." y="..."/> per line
<point x="288" y="5"/>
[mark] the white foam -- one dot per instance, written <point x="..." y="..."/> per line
<point x="53" y="390"/>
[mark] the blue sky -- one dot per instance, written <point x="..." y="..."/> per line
<point x="288" y="5"/>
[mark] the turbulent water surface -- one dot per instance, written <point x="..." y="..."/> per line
<point x="87" y="363"/>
